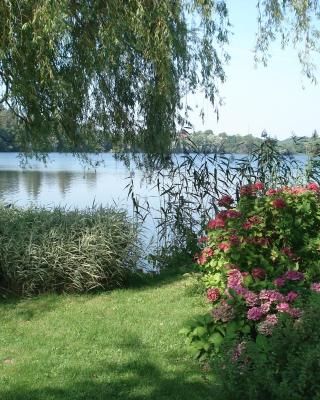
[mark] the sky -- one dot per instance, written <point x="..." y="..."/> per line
<point x="276" y="98"/>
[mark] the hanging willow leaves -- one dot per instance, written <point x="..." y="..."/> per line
<point x="84" y="72"/>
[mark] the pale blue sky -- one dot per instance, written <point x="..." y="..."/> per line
<point x="276" y="98"/>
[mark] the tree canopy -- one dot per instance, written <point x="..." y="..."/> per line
<point x="85" y="71"/>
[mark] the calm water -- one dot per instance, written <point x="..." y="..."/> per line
<point x="65" y="181"/>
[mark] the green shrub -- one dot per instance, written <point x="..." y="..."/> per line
<point x="284" y="366"/>
<point x="58" y="250"/>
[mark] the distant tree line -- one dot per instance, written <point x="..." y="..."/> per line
<point x="209" y="142"/>
<point x="201" y="142"/>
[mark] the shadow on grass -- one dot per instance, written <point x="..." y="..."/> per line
<point x="165" y="277"/>
<point x="139" y="378"/>
<point x="29" y="308"/>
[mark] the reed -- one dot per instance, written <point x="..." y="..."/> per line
<point x="59" y="250"/>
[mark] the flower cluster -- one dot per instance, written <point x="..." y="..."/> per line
<point x="265" y="253"/>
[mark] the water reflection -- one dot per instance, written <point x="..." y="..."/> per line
<point x="64" y="181"/>
<point x="32" y="181"/>
<point x="9" y="183"/>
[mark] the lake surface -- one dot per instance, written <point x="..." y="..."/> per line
<point x="65" y="181"/>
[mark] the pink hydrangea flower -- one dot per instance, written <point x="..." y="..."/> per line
<point x="201" y="260"/>
<point x="234" y="278"/>
<point x="251" y="298"/>
<point x="223" y="312"/>
<point x="279" y="203"/>
<point x="315" y="287"/>
<point x="270" y="295"/>
<point x="291" y="296"/>
<point x="264" y="328"/>
<point x="272" y="319"/>
<point x="265" y="308"/>
<point x="234" y="240"/>
<point x="258" y="273"/>
<point x="297" y="190"/>
<point x="279" y="282"/>
<point x="295" y="312"/>
<point x="262" y="241"/>
<point x="287" y="251"/>
<point x="254" y="220"/>
<point x="254" y="313"/>
<point x="238" y="350"/>
<point x="294" y="275"/>
<point x="247" y="225"/>
<point x="283" y="307"/>
<point x="213" y="294"/>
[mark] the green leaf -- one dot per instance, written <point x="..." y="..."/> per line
<point x="199" y="331"/>
<point x="246" y="329"/>
<point x="262" y="342"/>
<point x="216" y="338"/>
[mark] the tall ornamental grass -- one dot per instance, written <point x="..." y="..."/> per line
<point x="57" y="250"/>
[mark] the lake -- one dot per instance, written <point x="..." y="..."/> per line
<point x="65" y="181"/>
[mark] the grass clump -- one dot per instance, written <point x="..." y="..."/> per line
<point x="57" y="250"/>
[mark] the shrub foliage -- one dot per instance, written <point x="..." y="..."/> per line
<point x="286" y="366"/>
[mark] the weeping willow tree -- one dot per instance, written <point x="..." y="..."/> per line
<point x="84" y="72"/>
<point x="97" y="70"/>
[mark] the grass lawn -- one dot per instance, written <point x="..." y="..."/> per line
<point x="118" y="345"/>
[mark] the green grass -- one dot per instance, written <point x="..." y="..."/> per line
<point x="118" y="345"/>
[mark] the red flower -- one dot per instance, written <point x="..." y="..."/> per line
<point x="213" y="294"/>
<point x="224" y="246"/>
<point x="202" y="239"/>
<point x="247" y="225"/>
<point x="289" y="253"/>
<point x="208" y="252"/>
<point x="225" y="201"/>
<point x="254" y="220"/>
<point x="313" y="186"/>
<point x="258" y="273"/>
<point x="233" y="214"/>
<point x="216" y="223"/>
<point x="271" y="192"/>
<point x="279" y="203"/>
<point x="234" y="240"/>
<point x="202" y="260"/>
<point x="258" y="186"/>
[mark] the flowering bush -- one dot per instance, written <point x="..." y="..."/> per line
<point x="260" y="260"/>
<point x="278" y="367"/>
